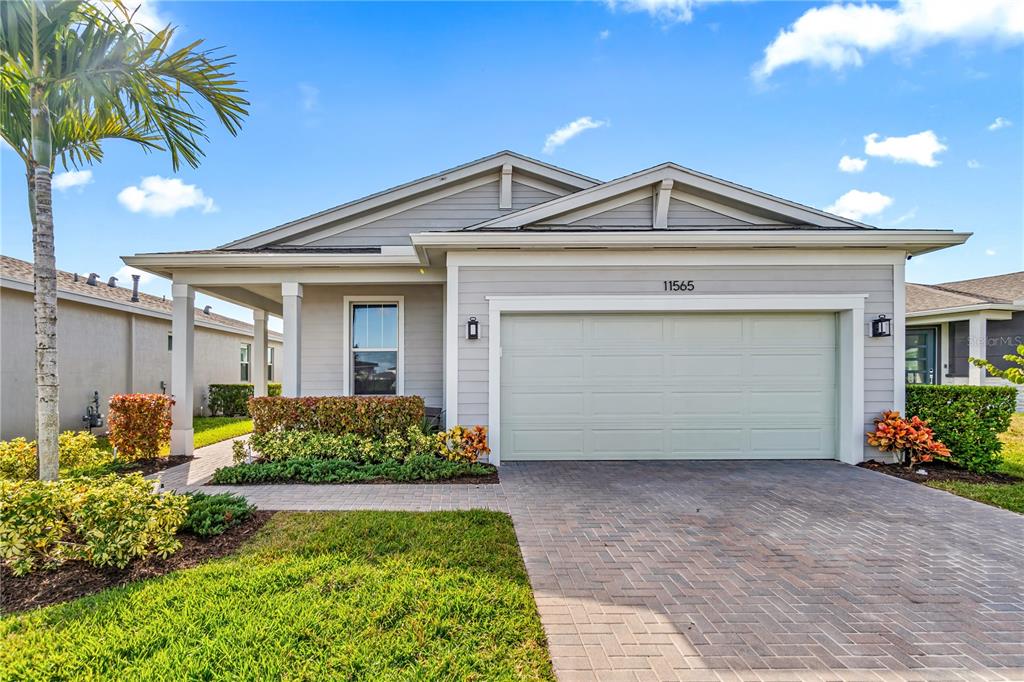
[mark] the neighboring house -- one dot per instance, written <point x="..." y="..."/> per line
<point x="109" y="340"/>
<point x="951" y="322"/>
<point x="665" y="314"/>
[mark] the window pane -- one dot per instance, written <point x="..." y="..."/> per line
<point x="375" y="373"/>
<point x="374" y="325"/>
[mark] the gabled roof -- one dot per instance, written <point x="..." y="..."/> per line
<point x="774" y="211"/>
<point x="14" y="270"/>
<point x="982" y="292"/>
<point x="567" y="179"/>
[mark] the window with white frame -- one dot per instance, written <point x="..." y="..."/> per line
<point x="374" y="348"/>
<point x="246" y="354"/>
<point x="270" y="363"/>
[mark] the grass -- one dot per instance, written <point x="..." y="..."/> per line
<point x="208" y="430"/>
<point x="1007" y="496"/>
<point x="336" y="595"/>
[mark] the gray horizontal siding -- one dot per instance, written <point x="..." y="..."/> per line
<point x="460" y="210"/>
<point x="323" y="345"/>
<point x="475" y="283"/>
<point x="637" y="214"/>
<point x="684" y="214"/>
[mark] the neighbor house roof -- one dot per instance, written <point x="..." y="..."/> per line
<point x="997" y="290"/>
<point x="15" y="271"/>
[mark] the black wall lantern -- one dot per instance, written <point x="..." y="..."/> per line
<point x="881" y="326"/>
<point x="472" y="329"/>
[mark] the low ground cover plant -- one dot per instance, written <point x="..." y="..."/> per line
<point x="968" y="419"/>
<point x="317" y="470"/>
<point x="79" y="450"/>
<point x="210" y="515"/>
<point x="911" y="439"/>
<point x="106" y="521"/>
<point x="140" y="424"/>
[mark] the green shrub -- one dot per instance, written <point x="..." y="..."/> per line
<point x="210" y="515"/>
<point x="77" y="449"/>
<point x="968" y="419"/>
<point x="106" y="521"/>
<point x="274" y="389"/>
<point x="423" y="467"/>
<point x="229" y="400"/>
<point x="370" y="416"/>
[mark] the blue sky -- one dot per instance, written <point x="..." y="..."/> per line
<point x="348" y="99"/>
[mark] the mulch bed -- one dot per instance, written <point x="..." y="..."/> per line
<point x="155" y="464"/>
<point x="77" y="578"/>
<point x="939" y="471"/>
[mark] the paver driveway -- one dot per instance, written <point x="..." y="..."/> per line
<point x="766" y="570"/>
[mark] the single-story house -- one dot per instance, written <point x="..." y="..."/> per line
<point x="664" y="314"/>
<point x="111" y="339"/>
<point x="950" y="322"/>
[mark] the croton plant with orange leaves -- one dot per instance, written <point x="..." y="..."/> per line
<point x="912" y="438"/>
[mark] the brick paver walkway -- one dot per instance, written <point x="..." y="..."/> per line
<point x="739" y="570"/>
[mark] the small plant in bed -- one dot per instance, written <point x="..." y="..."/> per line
<point x="281" y="456"/>
<point x="210" y="515"/>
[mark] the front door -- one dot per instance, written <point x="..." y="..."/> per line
<point x="921" y="356"/>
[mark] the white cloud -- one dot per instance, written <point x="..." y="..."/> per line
<point x="838" y="35"/>
<point x="973" y="164"/>
<point x="309" y="96"/>
<point x="604" y="35"/>
<point x="68" y="179"/>
<point x="159" y="196"/>
<point x="850" y="164"/>
<point x="666" y="10"/>
<point x="919" y="148"/>
<point x="569" y="131"/>
<point x="856" y="204"/>
<point x="999" y="123"/>
<point x="990" y="252"/>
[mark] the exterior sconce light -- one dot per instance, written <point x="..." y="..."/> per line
<point x="472" y="329"/>
<point x="881" y="326"/>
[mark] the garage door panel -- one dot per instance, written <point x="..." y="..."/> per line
<point x="611" y="404"/>
<point x="631" y="366"/>
<point x="684" y="385"/>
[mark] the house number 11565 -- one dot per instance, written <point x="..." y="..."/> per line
<point x="678" y="285"/>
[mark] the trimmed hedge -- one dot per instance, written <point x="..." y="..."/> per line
<point x="140" y="423"/>
<point x="232" y="400"/>
<point x="369" y="416"/>
<point x="968" y="419"/>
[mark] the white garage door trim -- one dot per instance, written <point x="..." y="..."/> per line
<point x="850" y="309"/>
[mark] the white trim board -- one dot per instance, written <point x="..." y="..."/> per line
<point x="451" y="348"/>
<point x="655" y="257"/>
<point x="852" y="328"/>
<point x="346" y="331"/>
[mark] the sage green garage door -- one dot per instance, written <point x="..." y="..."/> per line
<point x="668" y="386"/>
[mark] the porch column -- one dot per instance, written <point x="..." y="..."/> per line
<point x="183" y="326"/>
<point x="977" y="344"/>
<point x="291" y="385"/>
<point x="259" y="351"/>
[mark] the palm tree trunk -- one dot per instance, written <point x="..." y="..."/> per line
<point x="45" y="303"/>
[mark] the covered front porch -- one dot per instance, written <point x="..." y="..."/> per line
<point x="352" y="323"/>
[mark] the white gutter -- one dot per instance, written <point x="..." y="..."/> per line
<point x="914" y="242"/>
<point x="977" y="307"/>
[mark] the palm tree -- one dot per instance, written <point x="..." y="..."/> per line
<point x="74" y="74"/>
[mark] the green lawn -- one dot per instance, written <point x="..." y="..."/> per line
<point x="1000" y="495"/>
<point x="208" y="430"/>
<point x="334" y="595"/>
